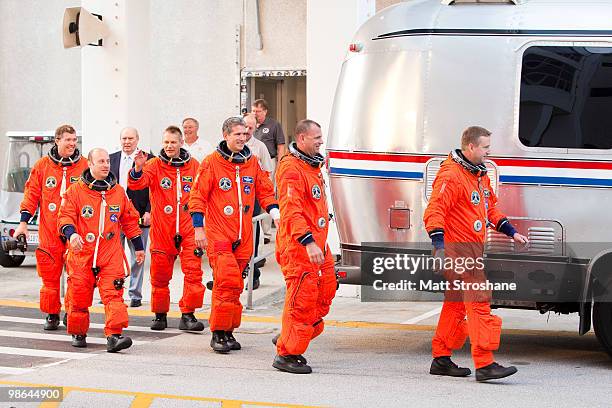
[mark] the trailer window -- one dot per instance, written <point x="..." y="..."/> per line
<point x="566" y="97"/>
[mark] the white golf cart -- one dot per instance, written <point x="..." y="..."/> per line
<point x="23" y="149"/>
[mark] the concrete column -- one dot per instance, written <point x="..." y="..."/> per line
<point x="116" y="77"/>
<point x="325" y="52"/>
<point x="326" y="49"/>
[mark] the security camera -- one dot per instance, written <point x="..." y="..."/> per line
<point x="80" y="27"/>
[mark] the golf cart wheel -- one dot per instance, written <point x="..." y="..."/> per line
<point x="602" y="323"/>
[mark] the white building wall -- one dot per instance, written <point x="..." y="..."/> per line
<point x="193" y="61"/>
<point x="193" y="68"/>
<point x="283" y="31"/>
<point x="115" y="83"/>
<point x="40" y="82"/>
<point x="197" y="51"/>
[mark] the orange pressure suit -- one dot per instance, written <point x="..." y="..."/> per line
<point x="461" y="207"/>
<point x="97" y="210"/>
<point x="304" y="219"/>
<point x="170" y="181"/>
<point x="225" y="191"/>
<point x="47" y="184"/>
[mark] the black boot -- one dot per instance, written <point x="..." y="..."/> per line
<point x="160" y="322"/>
<point x="231" y="341"/>
<point x="65" y="320"/>
<point x="78" y="340"/>
<point x="494" y="371"/>
<point x="219" y="342"/>
<point x="291" y="364"/>
<point x="260" y="263"/>
<point x="116" y="342"/>
<point x="256" y="284"/>
<point x="190" y="323"/>
<point x="299" y="357"/>
<point x="52" y="322"/>
<point x="445" y="366"/>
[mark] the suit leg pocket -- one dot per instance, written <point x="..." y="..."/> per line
<point x="489" y="332"/>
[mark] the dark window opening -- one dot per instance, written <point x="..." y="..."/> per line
<point x="566" y="98"/>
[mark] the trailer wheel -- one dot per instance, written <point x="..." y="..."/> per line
<point x="602" y="323"/>
<point x="10" y="261"/>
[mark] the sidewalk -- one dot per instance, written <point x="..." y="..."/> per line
<point x="23" y="284"/>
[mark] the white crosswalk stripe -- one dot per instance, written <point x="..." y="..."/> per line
<point x="15" y="370"/>
<point x="16" y="319"/>
<point x="25" y="347"/>
<point x="423" y="316"/>
<point x="45" y="353"/>
<point x="56" y="337"/>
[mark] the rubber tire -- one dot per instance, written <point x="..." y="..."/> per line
<point x="10" y="261"/>
<point x="602" y="324"/>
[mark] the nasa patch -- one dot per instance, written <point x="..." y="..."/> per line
<point x="87" y="211"/>
<point x="247" y="189"/>
<point x="321" y="222"/>
<point x="475" y="198"/>
<point x="113" y="217"/>
<point x="90" y="237"/>
<point x="316" y="192"/>
<point x="477" y="225"/>
<point x="228" y="210"/>
<point x="225" y="184"/>
<point x="168" y="209"/>
<point x="165" y="183"/>
<point x="247" y="179"/>
<point x="115" y="208"/>
<point x="186" y="188"/>
<point x="50" y="182"/>
<point x="52" y="207"/>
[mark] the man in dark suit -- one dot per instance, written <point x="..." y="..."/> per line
<point x="121" y="163"/>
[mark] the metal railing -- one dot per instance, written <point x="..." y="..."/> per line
<point x="256" y="224"/>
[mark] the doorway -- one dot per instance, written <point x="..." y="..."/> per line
<point x="286" y="97"/>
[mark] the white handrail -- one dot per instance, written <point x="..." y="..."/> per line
<point x="256" y="221"/>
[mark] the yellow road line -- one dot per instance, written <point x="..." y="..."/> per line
<point x="49" y="404"/>
<point x="330" y="323"/>
<point x="144" y="400"/>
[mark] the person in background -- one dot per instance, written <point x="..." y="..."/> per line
<point x="121" y="163"/>
<point x="48" y="181"/>
<point x="197" y="147"/>
<point x="259" y="149"/>
<point x="271" y="133"/>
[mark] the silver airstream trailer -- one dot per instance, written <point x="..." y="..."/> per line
<point x="538" y="74"/>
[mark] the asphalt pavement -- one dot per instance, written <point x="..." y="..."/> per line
<point x="370" y="355"/>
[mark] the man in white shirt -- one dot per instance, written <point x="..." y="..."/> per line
<point x="197" y="147"/>
<point x="121" y="163"/>
<point x="259" y="149"/>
